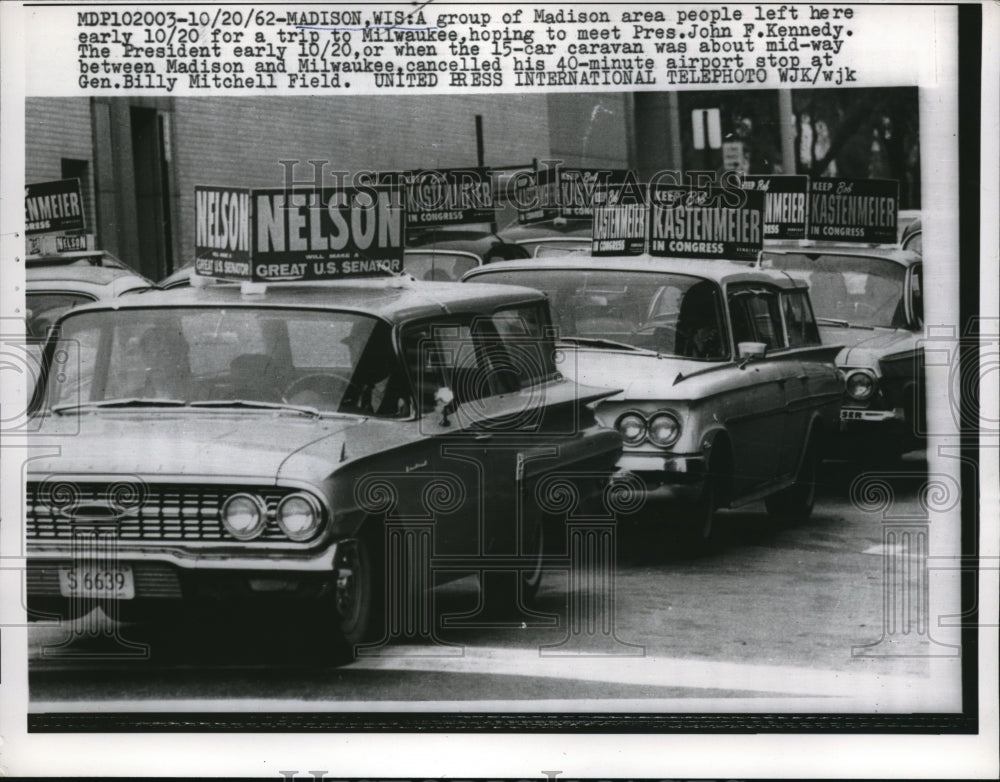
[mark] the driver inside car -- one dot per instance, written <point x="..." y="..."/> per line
<point x="374" y="387"/>
<point x="373" y="360"/>
<point x="166" y="365"/>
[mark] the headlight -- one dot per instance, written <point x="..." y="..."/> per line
<point x="632" y="427"/>
<point x="244" y="516"/>
<point x="299" y="516"/>
<point x="860" y="386"/>
<point x="664" y="430"/>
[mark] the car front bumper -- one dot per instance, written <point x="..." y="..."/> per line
<point x="850" y="416"/>
<point x="177" y="576"/>
<point x="664" y="478"/>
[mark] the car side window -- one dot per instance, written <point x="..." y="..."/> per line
<point x="429" y="359"/>
<point x="478" y="356"/>
<point x="800" y="326"/>
<point x="756" y="315"/>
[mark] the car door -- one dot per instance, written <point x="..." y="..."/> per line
<point x="473" y="483"/>
<point x="477" y="382"/>
<point x="755" y="407"/>
<point x="808" y="382"/>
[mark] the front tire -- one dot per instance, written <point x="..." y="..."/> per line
<point x="699" y="518"/>
<point x="359" y="594"/>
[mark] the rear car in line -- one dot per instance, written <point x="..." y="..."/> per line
<point x="869" y="300"/>
<point x="729" y="395"/>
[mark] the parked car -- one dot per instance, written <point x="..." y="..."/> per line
<point x="728" y="397"/>
<point x="869" y="300"/>
<point x="56" y="283"/>
<point x="557" y="236"/>
<point x="912" y="237"/>
<point x="479" y="240"/>
<point x="248" y="446"/>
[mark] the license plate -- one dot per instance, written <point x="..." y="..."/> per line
<point x="865" y="415"/>
<point x="109" y="582"/>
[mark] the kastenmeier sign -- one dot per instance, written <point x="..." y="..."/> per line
<point x="853" y="210"/>
<point x="785" y="203"/>
<point x="51" y="207"/>
<point x="715" y="222"/>
<point x="450" y="196"/>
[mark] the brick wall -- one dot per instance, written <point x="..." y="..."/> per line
<point x="591" y="130"/>
<point x="239" y="141"/>
<point x="57" y="128"/>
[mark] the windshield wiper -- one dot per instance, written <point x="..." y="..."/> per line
<point x="253" y="403"/>
<point x="607" y="343"/>
<point x="131" y="401"/>
<point x="842" y="324"/>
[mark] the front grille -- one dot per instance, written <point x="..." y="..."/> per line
<point x="141" y="512"/>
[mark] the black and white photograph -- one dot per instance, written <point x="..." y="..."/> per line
<point x="525" y="390"/>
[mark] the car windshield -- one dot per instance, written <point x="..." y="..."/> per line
<point x="439" y="266"/>
<point x="549" y="247"/>
<point x="313" y="361"/>
<point x="673" y="314"/>
<point x="848" y="289"/>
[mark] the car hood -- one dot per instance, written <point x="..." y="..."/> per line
<point x="640" y="375"/>
<point x="866" y="347"/>
<point x="168" y="445"/>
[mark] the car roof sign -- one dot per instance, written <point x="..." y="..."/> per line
<point x="53" y="207"/>
<point x="620" y="222"/>
<point x="446" y="196"/>
<point x="569" y="193"/>
<point x="853" y="210"/>
<point x="299" y="234"/>
<point x="785" y="203"/>
<point x="222" y="232"/>
<point x="723" y="223"/>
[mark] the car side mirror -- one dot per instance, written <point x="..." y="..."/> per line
<point x="444" y="404"/>
<point x="750" y="351"/>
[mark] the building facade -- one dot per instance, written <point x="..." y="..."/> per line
<point x="139" y="159"/>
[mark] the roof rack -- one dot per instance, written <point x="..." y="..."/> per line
<point x="393" y="280"/>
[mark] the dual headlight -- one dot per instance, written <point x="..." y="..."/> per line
<point x="662" y="429"/>
<point x="244" y="516"/>
<point x="860" y="385"/>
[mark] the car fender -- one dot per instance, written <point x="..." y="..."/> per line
<point x="818" y="428"/>
<point x="717" y="444"/>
